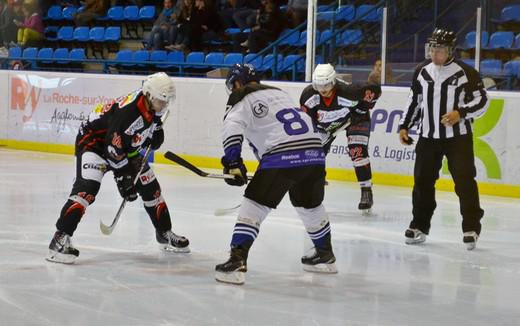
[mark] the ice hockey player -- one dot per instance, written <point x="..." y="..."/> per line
<point x="291" y="160"/>
<point x="111" y="140"/>
<point x="334" y="106"/>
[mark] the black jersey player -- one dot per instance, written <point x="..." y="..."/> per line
<point x="334" y="106"/>
<point x="111" y="140"/>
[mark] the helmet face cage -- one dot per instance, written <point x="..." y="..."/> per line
<point x="323" y="78"/>
<point x="243" y="73"/>
<point x="441" y="38"/>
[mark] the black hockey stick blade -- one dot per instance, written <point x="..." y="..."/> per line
<point x="182" y="162"/>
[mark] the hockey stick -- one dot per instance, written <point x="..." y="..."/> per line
<point x="108" y="229"/>
<point x="182" y="162"/>
<point x="226" y="211"/>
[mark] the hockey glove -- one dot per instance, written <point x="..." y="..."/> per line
<point x="157" y="139"/>
<point x="125" y="185"/>
<point x="236" y="168"/>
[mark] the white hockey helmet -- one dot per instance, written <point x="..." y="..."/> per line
<point x="159" y="87"/>
<point x="324" y="77"/>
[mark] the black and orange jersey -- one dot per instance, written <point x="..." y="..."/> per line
<point x="118" y="130"/>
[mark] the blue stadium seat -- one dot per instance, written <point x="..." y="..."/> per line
<point x="30" y="54"/>
<point x="367" y="13"/>
<point x="470" y="40"/>
<point x="147" y="13"/>
<point x="491" y="67"/>
<point x="289" y="37"/>
<point x="254" y="59"/>
<point x="292" y="59"/>
<point x="213" y="59"/>
<point x="232" y="58"/>
<point x="61" y="55"/>
<point x="97" y="34"/>
<point x="54" y="13"/>
<point x="141" y="56"/>
<point x="124" y="58"/>
<point x="231" y="31"/>
<point x="346" y="13"/>
<point x="508" y="14"/>
<point x="113" y="34"/>
<point x="158" y="56"/>
<point x="302" y="42"/>
<point x="69" y="12"/>
<point x="45" y="55"/>
<point x="82" y="34"/>
<point x="500" y="40"/>
<point x="116" y="13"/>
<point x="469" y="62"/>
<point x="268" y="63"/>
<point x="131" y="13"/>
<point x="512" y="68"/>
<point x="324" y="37"/>
<point x="15" y="52"/>
<point x="195" y="58"/>
<point x="324" y="16"/>
<point x="66" y="33"/>
<point x="174" y="59"/>
<point x="351" y="37"/>
<point x="77" y="54"/>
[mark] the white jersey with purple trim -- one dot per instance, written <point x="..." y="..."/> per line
<point x="279" y="132"/>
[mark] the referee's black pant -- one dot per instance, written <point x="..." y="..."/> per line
<point x="461" y="164"/>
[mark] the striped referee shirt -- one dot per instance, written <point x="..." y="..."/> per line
<point x="437" y="90"/>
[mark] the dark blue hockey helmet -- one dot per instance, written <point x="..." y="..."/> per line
<point x="244" y="73"/>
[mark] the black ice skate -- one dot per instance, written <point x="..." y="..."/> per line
<point x="170" y="241"/>
<point x="366" y="201"/>
<point x="61" y="249"/>
<point x="414" y="236"/>
<point x="470" y="239"/>
<point x="234" y="269"/>
<point x="320" y="261"/>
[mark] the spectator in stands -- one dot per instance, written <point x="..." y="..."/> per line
<point x="8" y="28"/>
<point x="375" y="75"/>
<point x="245" y="17"/>
<point x="164" y="29"/>
<point x="31" y="29"/>
<point x="194" y="21"/>
<point x="226" y="13"/>
<point x="269" y="24"/>
<point x="296" y="12"/>
<point x="93" y="9"/>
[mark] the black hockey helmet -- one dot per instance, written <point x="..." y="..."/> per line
<point x="244" y="73"/>
<point x="442" y="37"/>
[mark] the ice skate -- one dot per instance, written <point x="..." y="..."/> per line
<point x="366" y="201"/>
<point x="172" y="242"/>
<point x="234" y="269"/>
<point x="470" y="239"/>
<point x="320" y="261"/>
<point x="61" y="249"/>
<point x="414" y="236"/>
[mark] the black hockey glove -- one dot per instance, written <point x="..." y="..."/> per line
<point x="125" y="185"/>
<point x="157" y="139"/>
<point x="236" y="168"/>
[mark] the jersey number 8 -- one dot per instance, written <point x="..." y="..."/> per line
<point x="293" y="124"/>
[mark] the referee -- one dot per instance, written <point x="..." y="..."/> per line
<point x="446" y="95"/>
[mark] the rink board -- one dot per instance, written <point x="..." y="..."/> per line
<point x="43" y="110"/>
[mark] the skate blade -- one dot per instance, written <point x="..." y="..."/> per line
<point x="414" y="241"/>
<point x="169" y="248"/>
<point x="366" y="212"/>
<point x="471" y="245"/>
<point x="232" y="277"/>
<point x="56" y="257"/>
<point x="321" y="268"/>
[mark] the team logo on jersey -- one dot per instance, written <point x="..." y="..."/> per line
<point x="260" y="109"/>
<point x="136" y="125"/>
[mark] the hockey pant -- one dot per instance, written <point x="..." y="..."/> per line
<point x="90" y="169"/>
<point x="265" y="191"/>
<point x="358" y="136"/>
